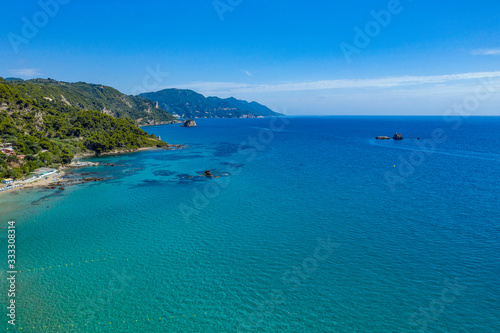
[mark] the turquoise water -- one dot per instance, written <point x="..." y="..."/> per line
<point x="313" y="226"/>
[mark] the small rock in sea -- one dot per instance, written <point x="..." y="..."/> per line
<point x="208" y="173"/>
<point x="61" y="188"/>
<point x="383" y="138"/>
<point x="189" y="123"/>
<point x="397" y="136"/>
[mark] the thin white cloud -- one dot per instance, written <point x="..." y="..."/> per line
<point x="386" y="82"/>
<point x="25" y="72"/>
<point x="494" y="52"/>
<point x="209" y="86"/>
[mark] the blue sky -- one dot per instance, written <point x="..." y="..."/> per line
<point x="297" y="57"/>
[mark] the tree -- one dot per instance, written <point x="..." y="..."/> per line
<point x="31" y="158"/>
<point x="46" y="158"/>
<point x="13" y="173"/>
<point x="12" y="158"/>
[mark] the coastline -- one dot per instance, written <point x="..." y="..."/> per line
<point x="113" y="152"/>
<point x="161" y="123"/>
<point x="44" y="181"/>
<point x="47" y="181"/>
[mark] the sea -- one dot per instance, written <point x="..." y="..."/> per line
<point x="307" y="224"/>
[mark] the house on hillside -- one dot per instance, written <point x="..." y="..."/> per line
<point x="8" y="181"/>
<point x="7" y="151"/>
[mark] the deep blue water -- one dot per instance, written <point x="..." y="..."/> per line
<point x="312" y="226"/>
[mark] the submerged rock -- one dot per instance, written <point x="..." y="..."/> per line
<point x="60" y="184"/>
<point x="397" y="136"/>
<point x="383" y="138"/>
<point x="189" y="123"/>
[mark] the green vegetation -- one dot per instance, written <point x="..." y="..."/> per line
<point x="52" y="132"/>
<point x="61" y="95"/>
<point x="189" y="104"/>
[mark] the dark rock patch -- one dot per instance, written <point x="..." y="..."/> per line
<point x="189" y="123"/>
<point x="164" y="173"/>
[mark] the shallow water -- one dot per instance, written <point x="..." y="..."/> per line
<point x="313" y="226"/>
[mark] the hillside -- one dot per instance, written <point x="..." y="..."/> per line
<point x="189" y="104"/>
<point x="13" y="79"/>
<point x="45" y="132"/>
<point x="97" y="97"/>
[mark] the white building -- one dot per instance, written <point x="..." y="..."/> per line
<point x="8" y="181"/>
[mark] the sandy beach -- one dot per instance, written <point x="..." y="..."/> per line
<point x="44" y="181"/>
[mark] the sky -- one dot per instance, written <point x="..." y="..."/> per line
<point x="339" y="57"/>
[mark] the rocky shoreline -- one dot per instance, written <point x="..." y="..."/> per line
<point x="61" y="183"/>
<point x="128" y="151"/>
<point x="55" y="181"/>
